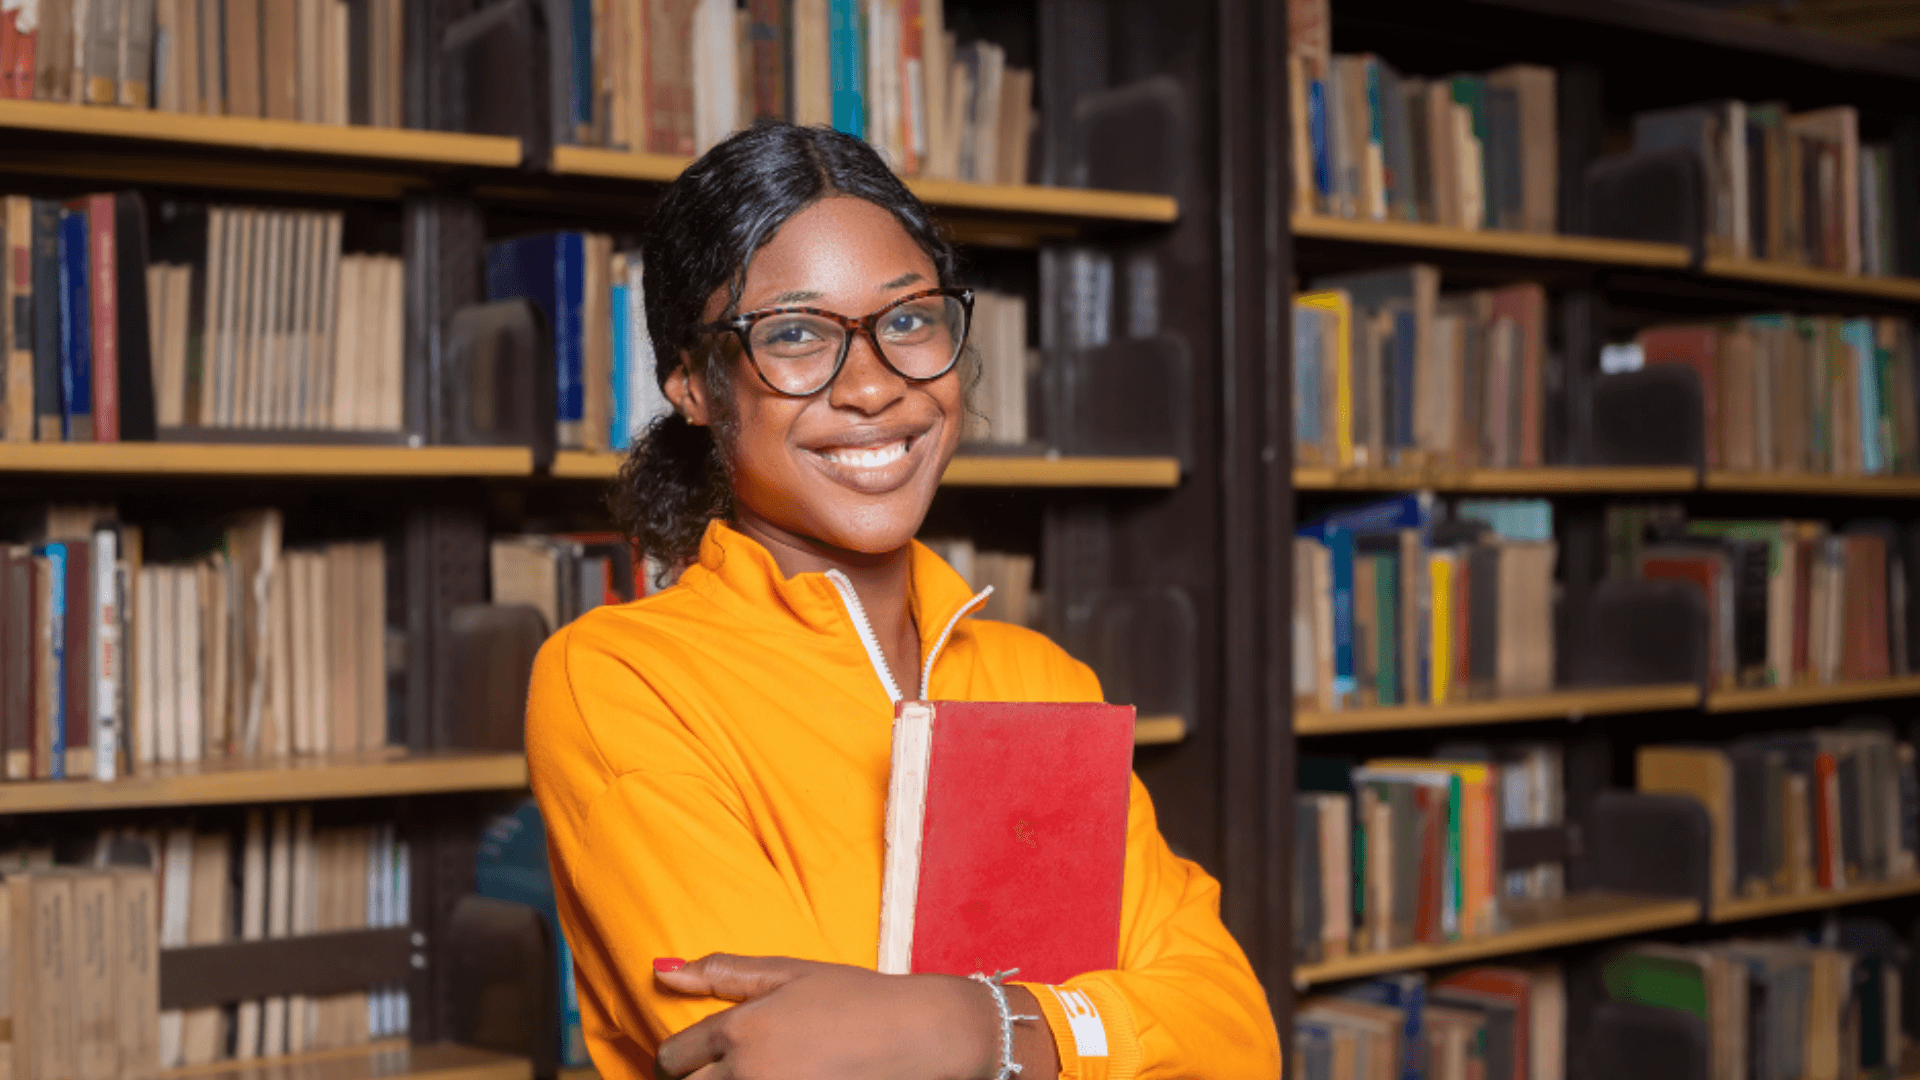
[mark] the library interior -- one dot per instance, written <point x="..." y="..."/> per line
<point x="1570" y="344"/>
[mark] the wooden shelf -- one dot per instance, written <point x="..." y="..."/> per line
<point x="434" y="148"/>
<point x="337" y="776"/>
<point x="1159" y="730"/>
<point x="1812" y="277"/>
<point x="1762" y="907"/>
<point x="1887" y="487"/>
<point x="1521" y="481"/>
<point x="1029" y="200"/>
<point x="1566" y="704"/>
<point x="1788" y="697"/>
<point x="1575" y="249"/>
<point x="223" y="459"/>
<point x="1533" y="925"/>
<point x="390" y="1059"/>
<point x="966" y="470"/>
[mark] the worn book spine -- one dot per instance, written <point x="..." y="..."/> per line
<point x="96" y="1048"/>
<point x="136" y="942"/>
<point x="105" y="651"/>
<point x="77" y="687"/>
<point x="134" y="56"/>
<point x="52" y="997"/>
<point x="16" y="348"/>
<point x="47" y="397"/>
<point x="103" y="313"/>
<point x="76" y="329"/>
<point x="16" y="664"/>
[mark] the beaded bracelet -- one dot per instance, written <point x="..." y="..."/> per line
<point x="1009" y="1068"/>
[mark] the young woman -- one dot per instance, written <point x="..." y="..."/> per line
<point x="712" y="761"/>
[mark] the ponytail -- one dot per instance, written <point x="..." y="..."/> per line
<point x="671" y="485"/>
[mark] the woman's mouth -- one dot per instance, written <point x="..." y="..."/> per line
<point x="866" y="457"/>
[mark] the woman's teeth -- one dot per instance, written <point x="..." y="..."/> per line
<point x="867" y="457"/>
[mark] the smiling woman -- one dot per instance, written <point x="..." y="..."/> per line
<point x="712" y="761"/>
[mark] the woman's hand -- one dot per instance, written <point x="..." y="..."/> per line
<point x="801" y="1020"/>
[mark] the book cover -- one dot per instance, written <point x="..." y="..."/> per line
<point x="16" y="663"/>
<point x="16" y="347"/>
<point x="847" y="52"/>
<point x="77" y="664"/>
<point x="76" y="330"/>
<point x="550" y="270"/>
<point x="48" y="392"/>
<point x="50" y="741"/>
<point x="1006" y="838"/>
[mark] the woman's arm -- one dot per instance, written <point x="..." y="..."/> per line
<point x="1184" y="1002"/>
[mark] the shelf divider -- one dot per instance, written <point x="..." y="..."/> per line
<point x="271" y="780"/>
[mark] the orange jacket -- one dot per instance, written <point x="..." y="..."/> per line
<point x="712" y="764"/>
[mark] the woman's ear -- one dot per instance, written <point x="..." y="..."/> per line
<point x="687" y="395"/>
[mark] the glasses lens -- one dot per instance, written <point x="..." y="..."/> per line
<point x="796" y="352"/>
<point x="923" y="336"/>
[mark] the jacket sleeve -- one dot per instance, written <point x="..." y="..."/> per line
<point x="1184" y="1002"/>
<point x="647" y="862"/>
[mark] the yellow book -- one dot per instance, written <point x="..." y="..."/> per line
<point x="1440" y="658"/>
<point x="1338" y="302"/>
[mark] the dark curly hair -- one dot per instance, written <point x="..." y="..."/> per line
<point x="707" y="227"/>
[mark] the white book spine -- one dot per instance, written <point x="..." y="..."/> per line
<point x="104" y="638"/>
<point x="187" y="601"/>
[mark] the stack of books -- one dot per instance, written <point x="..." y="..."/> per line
<point x="1799" y="394"/>
<point x="323" y="61"/>
<point x="1797" y="812"/>
<point x="677" y="76"/>
<point x="1387" y="372"/>
<point x="1393" y="607"/>
<point x="110" y="661"/>
<point x="565" y="575"/>
<point x="1789" y="602"/>
<point x="1482" y="1023"/>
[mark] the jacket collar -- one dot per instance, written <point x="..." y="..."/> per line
<point x="738" y="572"/>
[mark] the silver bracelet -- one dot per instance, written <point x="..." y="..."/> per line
<point x="1009" y="1068"/>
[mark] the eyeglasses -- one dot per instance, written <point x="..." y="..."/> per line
<point x="798" y="351"/>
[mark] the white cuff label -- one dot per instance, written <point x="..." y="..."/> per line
<point x="1089" y="1035"/>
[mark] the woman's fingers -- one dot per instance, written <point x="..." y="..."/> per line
<point x="735" y="978"/>
<point x="694" y="1050"/>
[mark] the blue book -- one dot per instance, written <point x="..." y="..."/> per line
<point x="1317" y="125"/>
<point x="56" y="556"/>
<point x="550" y="269"/>
<point x="512" y="866"/>
<point x="1336" y="529"/>
<point x="76" y="330"/>
<point x="1857" y="335"/>
<point x="847" y="51"/>
<point x="618" y="435"/>
<point x="1408" y="993"/>
<point x="1386" y="515"/>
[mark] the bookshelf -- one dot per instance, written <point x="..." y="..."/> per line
<point x="1553" y="480"/>
<point x="390" y="1059"/>
<point x="108" y="128"/>
<point x="1800" y="484"/>
<point x="1814" y="279"/>
<point x="1788" y="697"/>
<point x="966" y="470"/>
<point x="223" y="459"/>
<point x="1532" y="926"/>
<point x="378" y="774"/>
<point x="1762" y="907"/>
<point x="1441" y="240"/>
<point x="1563" y="705"/>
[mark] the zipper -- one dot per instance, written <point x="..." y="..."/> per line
<point x="863" y="626"/>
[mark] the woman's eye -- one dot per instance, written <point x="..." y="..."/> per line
<point x="905" y="322"/>
<point x="790" y="334"/>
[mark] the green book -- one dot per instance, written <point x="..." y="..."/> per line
<point x="1666" y="982"/>
<point x="1386" y="667"/>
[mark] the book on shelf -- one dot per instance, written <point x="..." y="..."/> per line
<point x="1783" y="1006"/>
<point x="114" y="660"/>
<point x="1388" y="372"/>
<point x="1394" y="853"/>
<point x="997" y="404"/>
<point x="1799" y="188"/>
<point x="1793" y="813"/>
<point x="1788" y="602"/>
<point x="1479" y="1023"/>
<point x="321" y="61"/>
<point x="1789" y="393"/>
<point x="1472" y="151"/>
<point x="676" y="76"/>
<point x="565" y="575"/>
<point x="1393" y="606"/>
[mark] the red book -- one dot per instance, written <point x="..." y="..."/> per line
<point x="1482" y="985"/>
<point x="1703" y="568"/>
<point x="1698" y="347"/>
<point x="9" y="45"/>
<point x="24" y="48"/>
<point x="103" y="294"/>
<point x="1006" y="838"/>
<point x="1430" y="802"/>
<point x="1864" y="653"/>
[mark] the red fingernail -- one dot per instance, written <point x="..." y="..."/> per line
<point x="664" y="964"/>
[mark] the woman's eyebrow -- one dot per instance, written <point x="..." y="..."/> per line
<point x="907" y="278"/>
<point x="795" y="296"/>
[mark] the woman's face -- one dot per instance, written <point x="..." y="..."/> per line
<point x="856" y="465"/>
